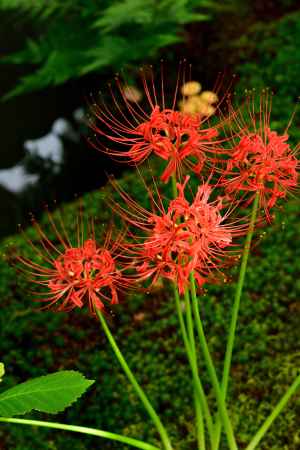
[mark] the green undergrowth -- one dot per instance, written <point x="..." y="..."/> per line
<point x="266" y="357"/>
<point x="273" y="64"/>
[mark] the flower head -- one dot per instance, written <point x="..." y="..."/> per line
<point x="176" y="137"/>
<point x="73" y="275"/>
<point x="262" y="161"/>
<point x="185" y="237"/>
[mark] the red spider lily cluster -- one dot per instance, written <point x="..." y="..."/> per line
<point x="183" y="238"/>
<point x="261" y="160"/>
<point x="186" y="238"/>
<point x="177" y="236"/>
<point x="177" y="138"/>
<point x="75" y="274"/>
<point x="81" y="272"/>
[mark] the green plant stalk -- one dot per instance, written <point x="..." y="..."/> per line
<point x="235" y="313"/>
<point x="191" y="337"/>
<point x="174" y="187"/>
<point x="211" y="370"/>
<point x="85" y="430"/>
<point x="144" y="399"/>
<point x="200" y="430"/>
<point x="196" y="378"/>
<point x="276" y="411"/>
<point x="198" y="409"/>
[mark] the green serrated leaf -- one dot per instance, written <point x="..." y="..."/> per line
<point x="50" y="393"/>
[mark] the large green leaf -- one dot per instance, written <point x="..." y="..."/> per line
<point x="102" y="35"/>
<point x="50" y="393"/>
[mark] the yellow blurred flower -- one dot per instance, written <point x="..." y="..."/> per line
<point x="209" y="97"/>
<point x="196" y="105"/>
<point x="191" y="88"/>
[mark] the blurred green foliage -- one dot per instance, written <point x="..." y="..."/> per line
<point x="74" y="38"/>
<point x="266" y="358"/>
<point x="268" y="56"/>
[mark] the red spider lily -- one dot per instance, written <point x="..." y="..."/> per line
<point x="262" y="161"/>
<point x="182" y="238"/>
<point x="179" y="138"/>
<point x="74" y="275"/>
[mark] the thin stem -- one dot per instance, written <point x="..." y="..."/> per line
<point x="235" y="312"/>
<point x="190" y="325"/>
<point x="196" y="379"/>
<point x="199" y="414"/>
<point x="238" y="293"/>
<point x="211" y="370"/>
<point x="149" y="408"/>
<point x="276" y="411"/>
<point x="85" y="430"/>
<point x="199" y="423"/>
<point x="174" y="185"/>
<point x="191" y="337"/>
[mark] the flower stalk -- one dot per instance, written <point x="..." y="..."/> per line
<point x="191" y="337"/>
<point x="144" y="399"/>
<point x="235" y="313"/>
<point x="200" y="430"/>
<point x="84" y="430"/>
<point x="196" y="378"/>
<point x="211" y="370"/>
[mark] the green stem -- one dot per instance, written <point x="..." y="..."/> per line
<point x="276" y="411"/>
<point x="199" y="423"/>
<point x="149" y="408"/>
<point x="196" y="379"/>
<point x="198" y="409"/>
<point x="211" y="370"/>
<point x="235" y="312"/>
<point x="191" y="337"/>
<point x="190" y="325"/>
<point x="238" y="293"/>
<point x="85" y="430"/>
<point x="174" y="187"/>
